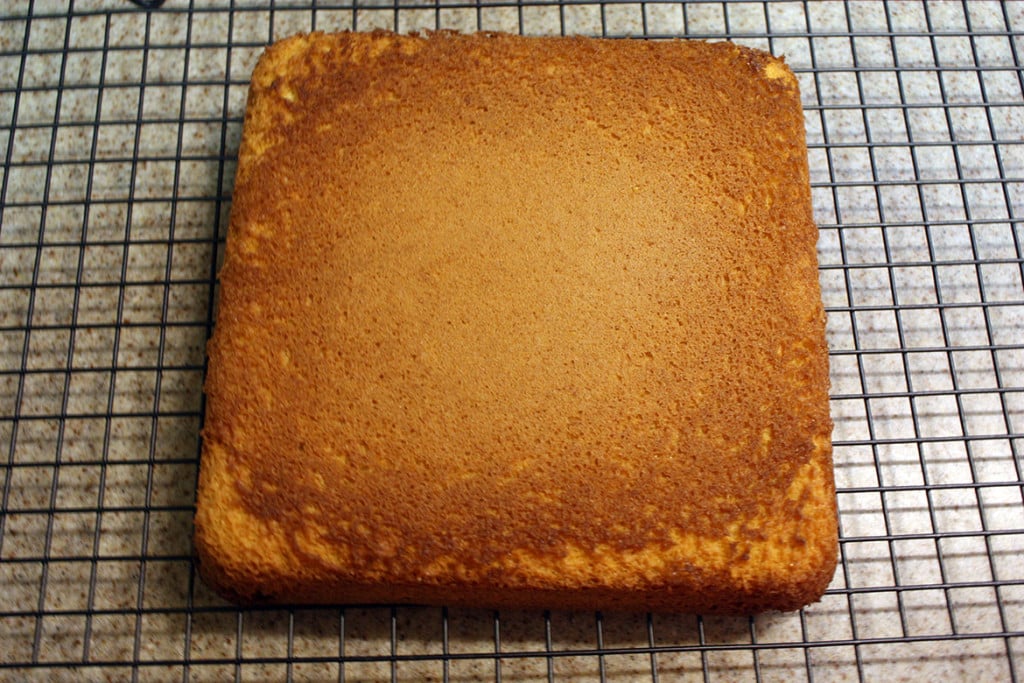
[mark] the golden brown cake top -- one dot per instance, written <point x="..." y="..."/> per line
<point x="521" y="310"/>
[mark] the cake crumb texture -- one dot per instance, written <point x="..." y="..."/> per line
<point x="519" y="322"/>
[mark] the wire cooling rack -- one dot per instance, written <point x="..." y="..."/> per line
<point x="119" y="129"/>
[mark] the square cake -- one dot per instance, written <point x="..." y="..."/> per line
<point x="519" y="323"/>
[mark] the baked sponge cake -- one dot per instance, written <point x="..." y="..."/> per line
<point x="519" y="322"/>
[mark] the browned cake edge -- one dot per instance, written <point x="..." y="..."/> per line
<point x="252" y="562"/>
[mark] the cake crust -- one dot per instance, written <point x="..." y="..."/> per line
<point x="519" y="322"/>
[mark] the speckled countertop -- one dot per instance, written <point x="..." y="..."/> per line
<point x="119" y="130"/>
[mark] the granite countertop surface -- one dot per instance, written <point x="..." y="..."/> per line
<point x="120" y="129"/>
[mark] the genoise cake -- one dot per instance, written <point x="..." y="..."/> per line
<point x="519" y="323"/>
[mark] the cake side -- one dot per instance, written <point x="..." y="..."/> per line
<point x="497" y="330"/>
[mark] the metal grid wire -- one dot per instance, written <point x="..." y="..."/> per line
<point x="119" y="129"/>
